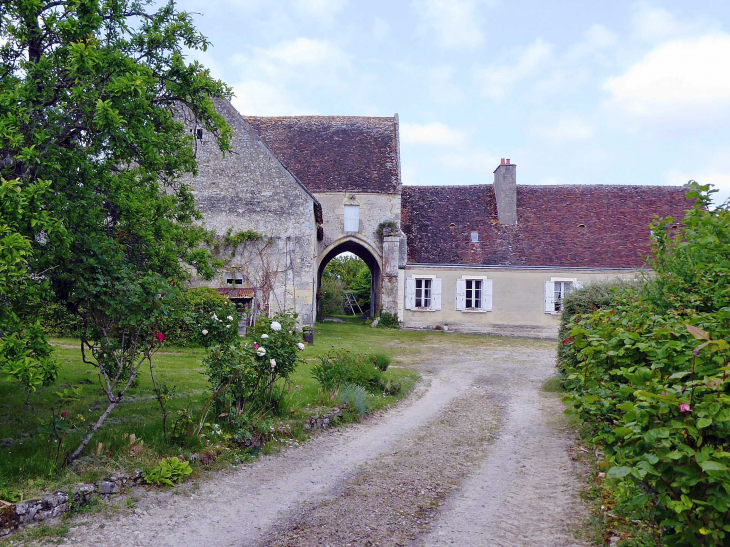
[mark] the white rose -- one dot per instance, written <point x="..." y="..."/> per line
<point x="261" y="352"/>
<point x="230" y="318"/>
<point x="228" y="326"/>
<point x="264" y="336"/>
<point x="301" y="346"/>
<point x="273" y="363"/>
<point x="204" y="331"/>
<point x="275" y="325"/>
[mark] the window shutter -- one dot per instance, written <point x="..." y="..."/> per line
<point x="487" y="295"/>
<point x="410" y="293"/>
<point x="436" y="294"/>
<point x="460" y="294"/>
<point x="352" y="218"/>
<point x="549" y="297"/>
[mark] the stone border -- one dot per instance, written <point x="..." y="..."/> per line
<point x="14" y="516"/>
<point x="17" y="515"/>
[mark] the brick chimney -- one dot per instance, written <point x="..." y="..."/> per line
<point x="505" y="191"/>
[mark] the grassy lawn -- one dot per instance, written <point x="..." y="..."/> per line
<point x="26" y="460"/>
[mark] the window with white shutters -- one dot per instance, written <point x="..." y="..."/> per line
<point x="423" y="294"/>
<point x="556" y="290"/>
<point x="473" y="294"/>
<point x="352" y="218"/>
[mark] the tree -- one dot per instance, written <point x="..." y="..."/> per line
<point x="344" y="267"/>
<point x="94" y="96"/>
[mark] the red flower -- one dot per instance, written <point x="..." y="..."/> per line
<point x="160" y="337"/>
<point x="162" y="294"/>
<point x="63" y="414"/>
<point x="568" y="340"/>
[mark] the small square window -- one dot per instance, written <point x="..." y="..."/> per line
<point x="475" y="237"/>
<point x="199" y="134"/>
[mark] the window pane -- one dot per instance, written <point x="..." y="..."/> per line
<point x="352" y="218"/>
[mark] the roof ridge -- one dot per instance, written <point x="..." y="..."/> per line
<point x="310" y="116"/>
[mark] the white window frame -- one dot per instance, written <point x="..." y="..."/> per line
<point x="414" y="293"/>
<point x="424" y="293"/>
<point x="351" y="221"/>
<point x="485" y="297"/>
<point x="554" y="298"/>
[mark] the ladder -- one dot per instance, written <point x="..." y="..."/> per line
<point x="351" y="302"/>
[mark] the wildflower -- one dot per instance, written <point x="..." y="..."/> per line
<point x="276" y="326"/>
<point x="684" y="407"/>
<point x="695" y="352"/>
<point x="204" y="331"/>
<point x="63" y="414"/>
<point x="264" y="336"/>
<point x="228" y="326"/>
<point x="301" y="346"/>
<point x="296" y="386"/>
<point x="160" y="337"/>
<point x="230" y="318"/>
<point x="261" y="352"/>
<point x="273" y="363"/>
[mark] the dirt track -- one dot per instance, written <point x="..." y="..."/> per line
<point x="478" y="456"/>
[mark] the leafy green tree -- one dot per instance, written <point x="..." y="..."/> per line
<point x="361" y="286"/>
<point x="94" y="100"/>
<point x="345" y="268"/>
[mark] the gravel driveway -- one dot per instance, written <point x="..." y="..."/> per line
<point x="477" y="456"/>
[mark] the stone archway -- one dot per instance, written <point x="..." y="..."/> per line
<point x="367" y="254"/>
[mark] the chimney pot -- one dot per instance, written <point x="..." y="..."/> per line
<point x="502" y="161"/>
<point x="507" y="161"/>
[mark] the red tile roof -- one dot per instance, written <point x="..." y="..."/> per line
<point x="562" y="226"/>
<point x="335" y="153"/>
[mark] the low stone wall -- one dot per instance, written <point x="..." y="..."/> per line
<point x="17" y="515"/>
<point x="323" y="421"/>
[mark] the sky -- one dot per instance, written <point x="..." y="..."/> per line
<point x="573" y="92"/>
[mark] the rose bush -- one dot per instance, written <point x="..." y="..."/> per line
<point x="648" y="375"/>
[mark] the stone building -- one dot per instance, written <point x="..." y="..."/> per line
<point x="493" y="258"/>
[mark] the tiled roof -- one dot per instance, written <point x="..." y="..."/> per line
<point x="335" y="153"/>
<point x="563" y="226"/>
<point x="236" y="293"/>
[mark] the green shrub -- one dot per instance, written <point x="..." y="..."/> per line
<point x="380" y="360"/>
<point x="648" y="376"/>
<point x="343" y="367"/>
<point x="356" y="398"/>
<point x="202" y="317"/>
<point x="167" y="472"/>
<point x="331" y="297"/>
<point x="389" y="320"/>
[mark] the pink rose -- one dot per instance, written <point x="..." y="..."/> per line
<point x="160" y="337"/>
<point x="684" y="407"/>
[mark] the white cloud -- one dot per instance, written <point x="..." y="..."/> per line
<point x="271" y="78"/>
<point x="475" y="161"/>
<point x="381" y="29"/>
<point x="430" y="134"/>
<point x="495" y="81"/>
<point x="324" y="11"/>
<point x="456" y="23"/>
<point x="258" y="98"/>
<point x="441" y="86"/>
<point x="687" y="80"/>
<point x="568" y="128"/>
<point x="600" y="37"/>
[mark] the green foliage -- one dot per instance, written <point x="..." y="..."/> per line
<point x="356" y="398"/>
<point x="389" y="320"/>
<point x="243" y="375"/>
<point x="201" y="317"/>
<point x="345" y="268"/>
<point x="61" y="423"/>
<point x="387" y="228"/>
<point x="233" y="240"/>
<point x="649" y="376"/>
<point x="168" y="472"/>
<point x="93" y="98"/>
<point x="331" y="296"/>
<point x="11" y="496"/>
<point x="380" y="360"/>
<point x="342" y="367"/>
<point x="361" y="286"/>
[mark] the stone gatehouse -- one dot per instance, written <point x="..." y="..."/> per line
<point x="495" y="258"/>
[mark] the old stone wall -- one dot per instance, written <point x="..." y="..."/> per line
<point x="374" y="209"/>
<point x="249" y="189"/>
